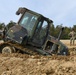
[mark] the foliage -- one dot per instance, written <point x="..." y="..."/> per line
<point x="55" y="31"/>
<point x="2" y="25"/>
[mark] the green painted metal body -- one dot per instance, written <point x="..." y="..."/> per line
<point x="34" y="29"/>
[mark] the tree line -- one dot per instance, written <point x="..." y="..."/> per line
<point x="54" y="31"/>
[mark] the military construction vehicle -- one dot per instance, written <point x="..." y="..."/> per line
<point x="32" y="34"/>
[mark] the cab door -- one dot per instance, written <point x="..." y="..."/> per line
<point x="40" y="33"/>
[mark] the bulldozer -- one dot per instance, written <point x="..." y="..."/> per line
<point x="31" y="34"/>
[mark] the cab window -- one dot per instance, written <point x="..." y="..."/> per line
<point x="41" y="31"/>
<point x="28" y="21"/>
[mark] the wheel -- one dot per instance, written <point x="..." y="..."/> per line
<point x="8" y="49"/>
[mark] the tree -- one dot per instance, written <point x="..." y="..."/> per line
<point x="74" y="27"/>
<point x="2" y="25"/>
<point x="65" y="33"/>
<point x="52" y="30"/>
<point x="57" y="30"/>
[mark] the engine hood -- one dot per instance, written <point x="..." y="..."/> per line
<point x="63" y="49"/>
<point x="16" y="33"/>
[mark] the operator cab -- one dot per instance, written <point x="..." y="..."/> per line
<point x="36" y="25"/>
<point x="28" y="21"/>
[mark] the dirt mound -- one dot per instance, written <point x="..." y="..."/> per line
<point x="22" y="64"/>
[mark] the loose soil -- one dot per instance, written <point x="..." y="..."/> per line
<point x="23" y="64"/>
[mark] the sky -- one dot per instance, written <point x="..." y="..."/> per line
<point x="60" y="11"/>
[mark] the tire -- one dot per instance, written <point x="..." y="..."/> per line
<point x="8" y="49"/>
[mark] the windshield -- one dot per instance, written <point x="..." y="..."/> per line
<point x="28" y="21"/>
